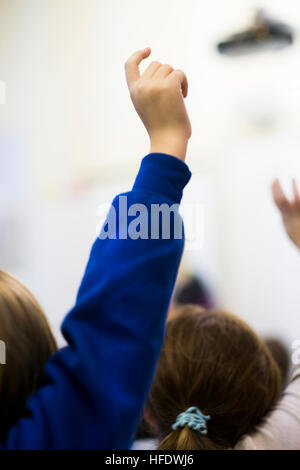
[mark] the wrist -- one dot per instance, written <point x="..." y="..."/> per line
<point x="171" y="144"/>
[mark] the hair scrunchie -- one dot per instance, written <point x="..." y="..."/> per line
<point x="193" y="418"/>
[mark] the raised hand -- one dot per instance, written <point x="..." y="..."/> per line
<point x="158" y="97"/>
<point x="290" y="210"/>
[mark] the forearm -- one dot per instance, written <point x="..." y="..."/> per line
<point x="131" y="283"/>
<point x="171" y="144"/>
<point x="97" y="385"/>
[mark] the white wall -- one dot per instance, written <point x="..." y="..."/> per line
<point x="260" y="267"/>
<point x="70" y="139"/>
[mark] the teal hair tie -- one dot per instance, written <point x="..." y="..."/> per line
<point x="193" y="418"/>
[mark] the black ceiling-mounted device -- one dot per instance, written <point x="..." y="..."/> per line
<point x="264" y="34"/>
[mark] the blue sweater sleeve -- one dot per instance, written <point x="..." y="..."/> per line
<point x="96" y="386"/>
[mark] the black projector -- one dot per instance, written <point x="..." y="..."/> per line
<point x="264" y="34"/>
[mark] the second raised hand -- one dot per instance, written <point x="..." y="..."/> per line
<point x="158" y="97"/>
<point x="290" y="210"/>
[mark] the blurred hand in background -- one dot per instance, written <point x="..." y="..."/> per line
<point x="290" y="210"/>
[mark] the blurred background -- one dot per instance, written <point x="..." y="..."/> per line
<point x="70" y="140"/>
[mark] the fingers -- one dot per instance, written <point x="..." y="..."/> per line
<point x="180" y="76"/>
<point x="295" y="192"/>
<point x="132" y="65"/>
<point x="154" y="69"/>
<point x="164" y="71"/>
<point x="296" y="201"/>
<point x="151" y="69"/>
<point x="279" y="197"/>
<point x="158" y="70"/>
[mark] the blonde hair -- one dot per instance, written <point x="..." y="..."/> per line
<point x="29" y="343"/>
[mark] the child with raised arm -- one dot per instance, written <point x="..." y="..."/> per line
<point x="91" y="393"/>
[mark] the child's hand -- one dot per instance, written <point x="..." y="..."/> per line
<point x="290" y="210"/>
<point x="158" y="97"/>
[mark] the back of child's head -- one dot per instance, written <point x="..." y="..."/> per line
<point x="215" y="362"/>
<point x="29" y="343"/>
<point x="281" y="356"/>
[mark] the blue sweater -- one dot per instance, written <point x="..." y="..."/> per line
<point x="95" y="387"/>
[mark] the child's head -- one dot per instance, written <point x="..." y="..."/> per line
<point x="213" y="361"/>
<point x="29" y="343"/>
<point x="281" y="356"/>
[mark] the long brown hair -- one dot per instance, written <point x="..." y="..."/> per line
<point x="214" y="361"/>
<point x="29" y="343"/>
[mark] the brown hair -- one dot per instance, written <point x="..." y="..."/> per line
<point x="281" y="356"/>
<point x="29" y="343"/>
<point x="214" y="361"/>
